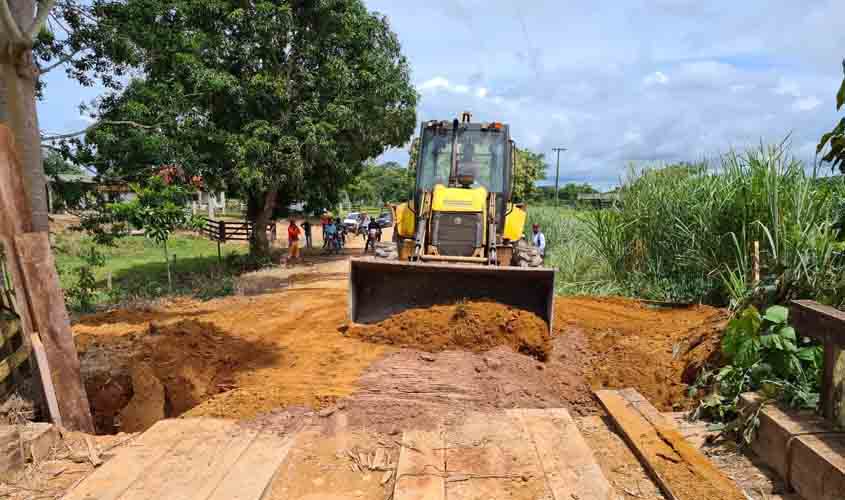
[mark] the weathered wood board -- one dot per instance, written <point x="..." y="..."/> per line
<point x="189" y="459"/>
<point x="679" y="469"/>
<point x="512" y="454"/>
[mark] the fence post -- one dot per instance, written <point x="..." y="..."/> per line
<point x="221" y="238"/>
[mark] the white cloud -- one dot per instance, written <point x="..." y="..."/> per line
<point x="656" y="78"/>
<point x="787" y="87"/>
<point x="632" y="137"/>
<point x="481" y="92"/>
<point x="438" y="82"/>
<point x="808" y="103"/>
<point x="461" y="89"/>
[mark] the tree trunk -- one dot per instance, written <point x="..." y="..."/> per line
<point x="259" y="213"/>
<point x="19" y="75"/>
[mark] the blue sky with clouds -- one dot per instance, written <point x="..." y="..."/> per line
<point x="614" y="81"/>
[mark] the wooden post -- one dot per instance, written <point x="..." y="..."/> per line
<point x="827" y="325"/>
<point x="38" y="296"/>
<point x="755" y="263"/>
<point x="53" y="325"/>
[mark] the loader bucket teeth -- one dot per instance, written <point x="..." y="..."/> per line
<point x="379" y="288"/>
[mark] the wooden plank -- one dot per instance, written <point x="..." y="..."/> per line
<point x="421" y="471"/>
<point x="17" y="219"/>
<point x="190" y="463"/>
<point x="252" y="475"/>
<point x="46" y="380"/>
<point x="823" y="323"/>
<point x="569" y="466"/>
<point x="117" y="475"/>
<point x="53" y="325"/>
<point x="189" y="459"/>
<point x="492" y="455"/>
<point x="678" y="468"/>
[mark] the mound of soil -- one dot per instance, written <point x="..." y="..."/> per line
<point x="657" y="350"/>
<point x="476" y="326"/>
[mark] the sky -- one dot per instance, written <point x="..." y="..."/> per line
<point x="614" y="82"/>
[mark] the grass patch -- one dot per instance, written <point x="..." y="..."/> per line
<point x="138" y="270"/>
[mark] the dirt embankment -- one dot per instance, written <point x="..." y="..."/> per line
<point x="469" y="326"/>
<point x="657" y="350"/>
<point x="244" y="357"/>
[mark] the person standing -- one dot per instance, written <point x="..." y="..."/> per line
<point x="306" y="228"/>
<point x="539" y="240"/>
<point x="293" y="241"/>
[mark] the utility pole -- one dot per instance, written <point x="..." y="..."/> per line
<point x="557" y="174"/>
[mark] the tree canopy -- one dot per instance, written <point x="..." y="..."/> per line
<point x="379" y="184"/>
<point x="279" y="101"/>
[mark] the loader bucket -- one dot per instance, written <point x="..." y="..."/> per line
<point x="379" y="288"/>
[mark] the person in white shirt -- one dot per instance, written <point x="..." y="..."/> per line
<point x="539" y="240"/>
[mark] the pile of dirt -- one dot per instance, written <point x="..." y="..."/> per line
<point x="657" y="350"/>
<point x="475" y="326"/>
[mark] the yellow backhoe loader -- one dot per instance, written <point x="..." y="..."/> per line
<point x="456" y="237"/>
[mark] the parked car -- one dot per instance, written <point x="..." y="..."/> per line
<point x="352" y="221"/>
<point x="385" y="219"/>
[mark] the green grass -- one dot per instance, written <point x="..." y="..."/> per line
<point x="138" y="269"/>
<point x="580" y="270"/>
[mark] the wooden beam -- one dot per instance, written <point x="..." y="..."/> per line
<point x="678" y="468"/>
<point x="827" y="325"/>
<point x="52" y="322"/>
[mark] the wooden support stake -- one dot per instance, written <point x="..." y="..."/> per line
<point x="49" y="388"/>
<point x="52" y="322"/>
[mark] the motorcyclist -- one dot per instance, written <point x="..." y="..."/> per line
<point x="373" y="234"/>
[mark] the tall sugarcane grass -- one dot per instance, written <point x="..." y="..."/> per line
<point x="685" y="232"/>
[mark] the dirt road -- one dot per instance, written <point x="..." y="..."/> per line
<point x="285" y="359"/>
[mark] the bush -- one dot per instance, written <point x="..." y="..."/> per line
<point x="685" y="232"/>
<point x="762" y="353"/>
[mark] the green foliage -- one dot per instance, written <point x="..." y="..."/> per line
<point x="568" y="193"/>
<point x="530" y="167"/>
<point x="761" y="353"/>
<point x="278" y="101"/>
<point x="835" y="139"/>
<point x="138" y="273"/>
<point x="579" y="269"/>
<point x="686" y="232"/>
<point x="380" y="184"/>
<point x="83" y="294"/>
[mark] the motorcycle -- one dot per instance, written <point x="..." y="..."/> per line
<point x="373" y="236"/>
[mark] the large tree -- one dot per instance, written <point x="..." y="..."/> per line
<point x="280" y="101"/>
<point x="37" y="37"/>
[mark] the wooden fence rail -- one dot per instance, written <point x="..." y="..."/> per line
<point x="222" y="231"/>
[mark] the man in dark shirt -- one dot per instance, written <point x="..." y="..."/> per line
<point x="306" y="228"/>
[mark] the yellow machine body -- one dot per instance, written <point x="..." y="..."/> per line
<point x="456" y="237"/>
